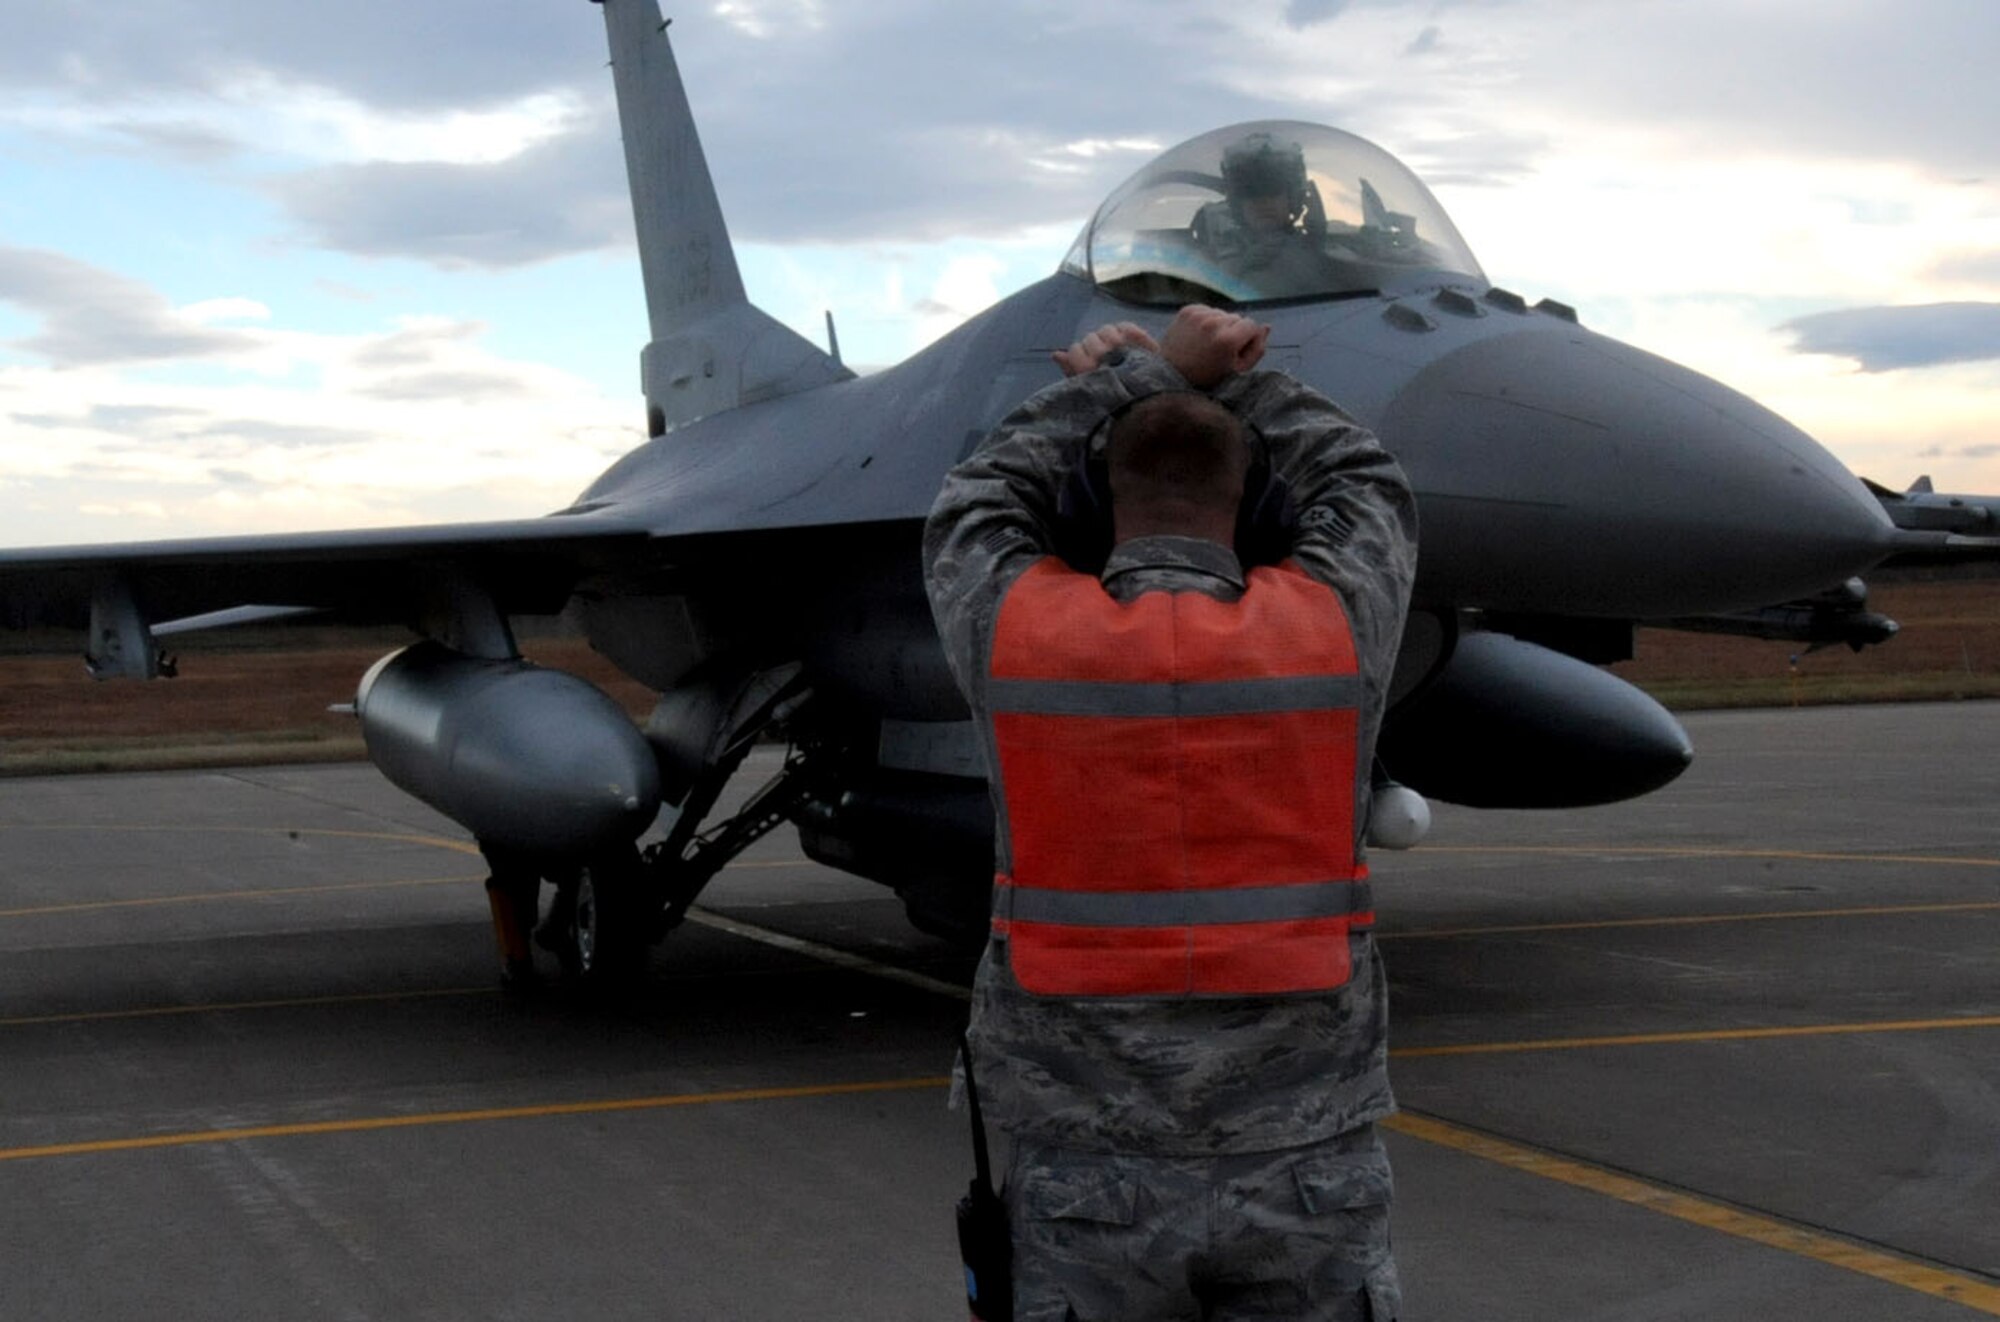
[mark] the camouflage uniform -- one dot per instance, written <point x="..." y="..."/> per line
<point x="1134" y="1120"/>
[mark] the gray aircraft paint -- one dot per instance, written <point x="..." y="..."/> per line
<point x="772" y="521"/>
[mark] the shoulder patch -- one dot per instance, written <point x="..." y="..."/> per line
<point x="1002" y="539"/>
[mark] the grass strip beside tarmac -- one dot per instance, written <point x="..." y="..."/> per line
<point x="177" y="752"/>
<point x="1697" y="694"/>
<point x="262" y="697"/>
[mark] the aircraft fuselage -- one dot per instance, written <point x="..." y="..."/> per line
<point x="1559" y="472"/>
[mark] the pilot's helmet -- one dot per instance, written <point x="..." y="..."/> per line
<point x="1259" y="165"/>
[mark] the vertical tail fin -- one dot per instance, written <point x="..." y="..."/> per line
<point x="711" y="349"/>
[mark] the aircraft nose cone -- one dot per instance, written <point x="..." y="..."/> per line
<point x="1560" y="471"/>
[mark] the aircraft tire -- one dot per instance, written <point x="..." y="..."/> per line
<point x="608" y="925"/>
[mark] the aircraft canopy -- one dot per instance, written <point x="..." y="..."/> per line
<point x="1275" y="209"/>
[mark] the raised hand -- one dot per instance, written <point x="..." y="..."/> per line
<point x="1206" y="344"/>
<point x="1088" y="352"/>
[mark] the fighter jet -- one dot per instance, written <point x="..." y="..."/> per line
<point x="755" y="561"/>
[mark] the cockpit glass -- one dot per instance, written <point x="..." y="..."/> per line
<point x="1269" y="210"/>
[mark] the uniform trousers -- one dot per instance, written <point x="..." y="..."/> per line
<point x="1300" y="1234"/>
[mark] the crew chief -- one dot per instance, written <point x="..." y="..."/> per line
<point x="1180" y="1018"/>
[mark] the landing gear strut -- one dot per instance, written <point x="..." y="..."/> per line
<point x="685" y="862"/>
<point x="609" y="909"/>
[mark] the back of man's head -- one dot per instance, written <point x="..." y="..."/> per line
<point x="1176" y="464"/>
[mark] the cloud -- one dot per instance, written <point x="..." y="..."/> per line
<point x="883" y="123"/>
<point x="1909" y="81"/>
<point x="1607" y="155"/>
<point x="289" y="435"/>
<point x="888" y="122"/>
<point x="281" y="427"/>
<point x="1974" y="268"/>
<point x="886" y="126"/>
<point x="198" y="143"/>
<point x="465" y="386"/>
<point x="1884" y="339"/>
<point x="1305" y="13"/>
<point x="1479" y="158"/>
<point x="763" y="18"/>
<point x="965" y="285"/>
<point x="561" y="196"/>
<point x="115" y="418"/>
<point x="91" y="316"/>
<point x="1981" y="451"/>
<point x="211" y="310"/>
<point x="415" y="344"/>
<point x="385" y="52"/>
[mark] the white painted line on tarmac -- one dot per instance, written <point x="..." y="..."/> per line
<point x="828" y="954"/>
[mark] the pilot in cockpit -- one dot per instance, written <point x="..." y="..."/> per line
<point x="1270" y="229"/>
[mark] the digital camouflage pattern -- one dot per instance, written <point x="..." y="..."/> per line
<point x="1173" y="564"/>
<point x="1196" y="1077"/>
<point x="1295" y="1236"/>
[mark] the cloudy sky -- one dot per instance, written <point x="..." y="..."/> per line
<point x="269" y="266"/>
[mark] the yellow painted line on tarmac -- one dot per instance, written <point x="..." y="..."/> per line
<point x="224" y="1007"/>
<point x="1689" y="920"/>
<point x="1938" y="1282"/>
<point x="1709" y="1035"/>
<point x="211" y="897"/>
<point x="1706" y="851"/>
<point x="367" y="1124"/>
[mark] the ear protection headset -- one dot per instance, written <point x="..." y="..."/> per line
<point x="1265" y="521"/>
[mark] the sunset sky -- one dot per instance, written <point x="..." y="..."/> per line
<point x="271" y="266"/>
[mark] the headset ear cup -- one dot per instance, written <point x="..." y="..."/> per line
<point x="1083" y="515"/>
<point x="1266" y="520"/>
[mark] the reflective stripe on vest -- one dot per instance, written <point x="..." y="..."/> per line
<point x="1178" y="778"/>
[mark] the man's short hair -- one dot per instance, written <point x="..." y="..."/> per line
<point x="1177" y="449"/>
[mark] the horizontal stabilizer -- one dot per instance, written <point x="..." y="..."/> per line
<point x="733" y="356"/>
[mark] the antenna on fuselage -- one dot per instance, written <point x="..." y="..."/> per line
<point x="711" y="349"/>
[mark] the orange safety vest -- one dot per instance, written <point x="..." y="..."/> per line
<point x="1177" y="786"/>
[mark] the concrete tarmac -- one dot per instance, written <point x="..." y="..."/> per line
<point x="1727" y="1052"/>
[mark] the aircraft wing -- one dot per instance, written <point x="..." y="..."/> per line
<point x="1939" y="528"/>
<point x="387" y="575"/>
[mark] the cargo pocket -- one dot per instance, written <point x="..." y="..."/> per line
<point x="1385" y="1294"/>
<point x="1345" y="1196"/>
<point x="1344" y="1181"/>
<point x="1073" y="1219"/>
<point x="1081" y="1193"/>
